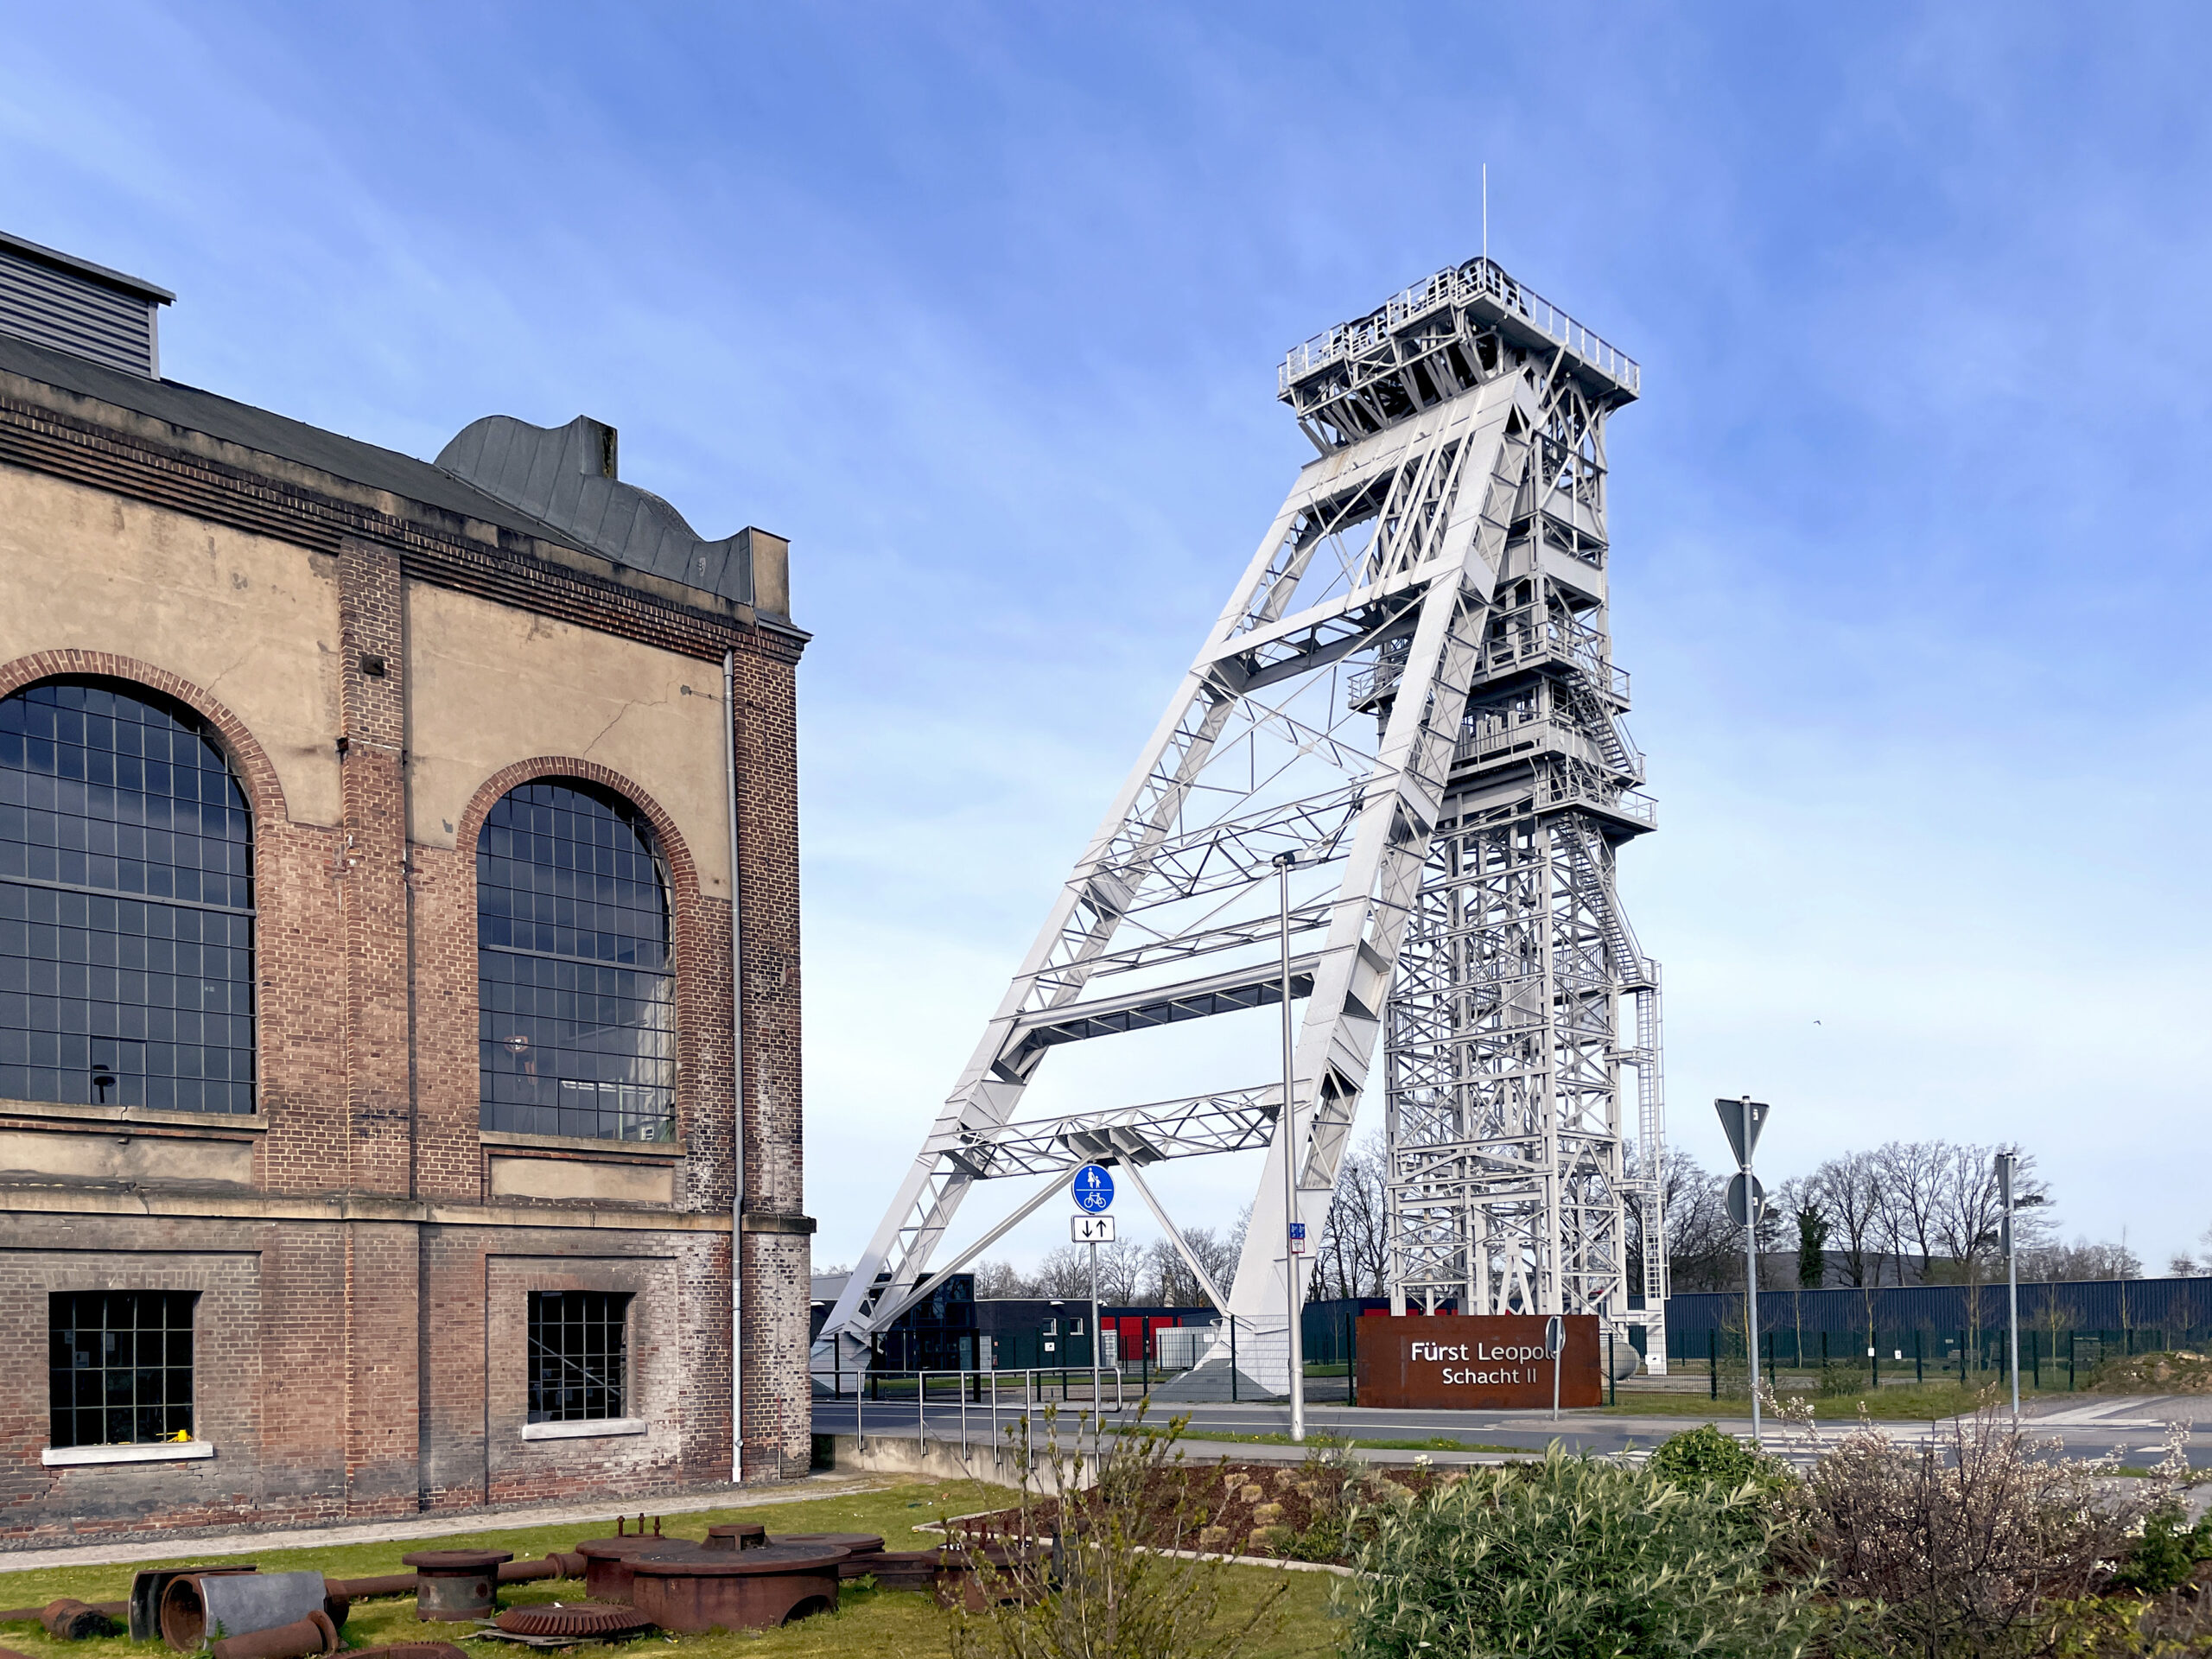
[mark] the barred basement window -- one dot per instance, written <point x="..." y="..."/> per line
<point x="119" y="1365"/>
<point x="575" y="974"/>
<point x="127" y="904"/>
<point x="579" y="1355"/>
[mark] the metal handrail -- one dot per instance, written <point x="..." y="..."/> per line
<point x="1032" y="1391"/>
<point x="1456" y="285"/>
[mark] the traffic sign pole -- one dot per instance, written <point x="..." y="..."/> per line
<point x="1093" y="1192"/>
<point x="2007" y="1174"/>
<point x="1291" y="1334"/>
<point x="1743" y="1120"/>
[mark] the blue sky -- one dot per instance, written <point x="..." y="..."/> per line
<point x="981" y="306"/>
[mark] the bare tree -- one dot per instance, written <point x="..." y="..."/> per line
<point x="2083" y="1260"/>
<point x="1704" y="1251"/>
<point x="998" y="1280"/>
<point x="1064" y="1275"/>
<point x="1174" y="1285"/>
<point x="1968" y="1220"/>
<point x="1354" y="1253"/>
<point x="1849" y="1192"/>
<point x="1913" y="1174"/>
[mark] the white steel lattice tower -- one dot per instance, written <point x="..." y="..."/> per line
<point x="1411" y="689"/>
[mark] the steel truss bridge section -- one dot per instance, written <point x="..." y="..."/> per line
<point x="1328" y="715"/>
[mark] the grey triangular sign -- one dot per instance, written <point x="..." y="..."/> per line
<point x="1743" y="1120"/>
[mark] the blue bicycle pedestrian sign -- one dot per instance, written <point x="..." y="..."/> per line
<point x="1093" y="1190"/>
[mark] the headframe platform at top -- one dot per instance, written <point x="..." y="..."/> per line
<point x="1431" y="341"/>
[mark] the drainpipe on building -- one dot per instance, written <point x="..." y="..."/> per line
<point x="737" y="1086"/>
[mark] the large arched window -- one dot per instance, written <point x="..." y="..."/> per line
<point x="127" y="904"/>
<point x="575" y="980"/>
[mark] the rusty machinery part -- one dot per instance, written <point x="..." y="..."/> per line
<point x="302" y="1639"/>
<point x="69" y="1620"/>
<point x="11" y="1653"/>
<point x="621" y="1523"/>
<point x="901" y="1569"/>
<point x="146" y="1588"/>
<point x="976" y="1576"/>
<point x="454" y="1585"/>
<point x="689" y="1590"/>
<point x="238" y="1603"/>
<point x="577" y="1618"/>
<point x="605" y="1570"/>
<point x="736" y="1534"/>
<point x="856" y="1543"/>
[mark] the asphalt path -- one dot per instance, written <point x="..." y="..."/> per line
<point x="2134" y="1429"/>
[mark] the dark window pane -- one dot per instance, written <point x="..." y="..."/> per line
<point x="579" y="1355"/>
<point x="576" y="992"/>
<point x="79" y="933"/>
<point x="119" y="1365"/>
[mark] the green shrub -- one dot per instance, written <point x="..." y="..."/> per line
<point x="1573" y="1558"/>
<point x="2164" y="1555"/>
<point x="1706" y="1454"/>
<point x="1840" y="1382"/>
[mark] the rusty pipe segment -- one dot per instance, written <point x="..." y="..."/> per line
<point x="303" y="1638"/>
<point x="147" y="1587"/>
<point x="197" y="1607"/>
<point x="552" y="1565"/>
<point x="389" y="1584"/>
<point x="70" y="1620"/>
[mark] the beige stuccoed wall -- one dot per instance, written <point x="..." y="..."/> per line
<point x="488" y="687"/>
<point x="253" y="622"/>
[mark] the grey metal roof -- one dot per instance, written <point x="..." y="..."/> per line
<point x="567" y="476"/>
<point x="648" y="536"/>
<point x="42" y="255"/>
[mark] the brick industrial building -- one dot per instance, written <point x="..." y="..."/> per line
<point x="380" y="843"/>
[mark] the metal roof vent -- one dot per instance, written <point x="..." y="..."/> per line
<point x="71" y="305"/>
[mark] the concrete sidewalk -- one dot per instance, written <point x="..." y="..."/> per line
<point x="208" y="1546"/>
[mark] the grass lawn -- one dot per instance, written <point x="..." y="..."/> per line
<point x="878" y="1624"/>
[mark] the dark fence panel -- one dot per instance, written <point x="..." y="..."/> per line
<point x="2169" y="1305"/>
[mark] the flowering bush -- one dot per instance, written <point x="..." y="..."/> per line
<point x="1969" y="1541"/>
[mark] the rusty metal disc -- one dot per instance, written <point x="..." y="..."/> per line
<point x="572" y="1618"/>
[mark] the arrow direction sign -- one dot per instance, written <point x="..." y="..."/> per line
<point x="1743" y="1119"/>
<point x="1091" y="1230"/>
<point x="1736" y="1211"/>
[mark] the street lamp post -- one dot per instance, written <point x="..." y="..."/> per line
<point x="1285" y="864"/>
<point x="2011" y="1198"/>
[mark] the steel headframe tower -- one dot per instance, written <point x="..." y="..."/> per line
<point x="1410" y="689"/>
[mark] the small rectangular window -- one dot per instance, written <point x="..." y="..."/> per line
<point x="579" y="1355"/>
<point x="120" y="1365"/>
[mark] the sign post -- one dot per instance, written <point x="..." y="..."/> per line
<point x="2006" y="1163"/>
<point x="1555" y="1339"/>
<point x="1093" y="1192"/>
<point x="1743" y="1119"/>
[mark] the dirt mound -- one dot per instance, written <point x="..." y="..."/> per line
<point x="2180" y="1370"/>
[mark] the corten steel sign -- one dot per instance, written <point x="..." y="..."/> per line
<point x="1476" y="1362"/>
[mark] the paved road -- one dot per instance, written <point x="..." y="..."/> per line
<point x="2134" y="1428"/>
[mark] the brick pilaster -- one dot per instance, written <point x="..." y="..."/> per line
<point x="384" y="1383"/>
